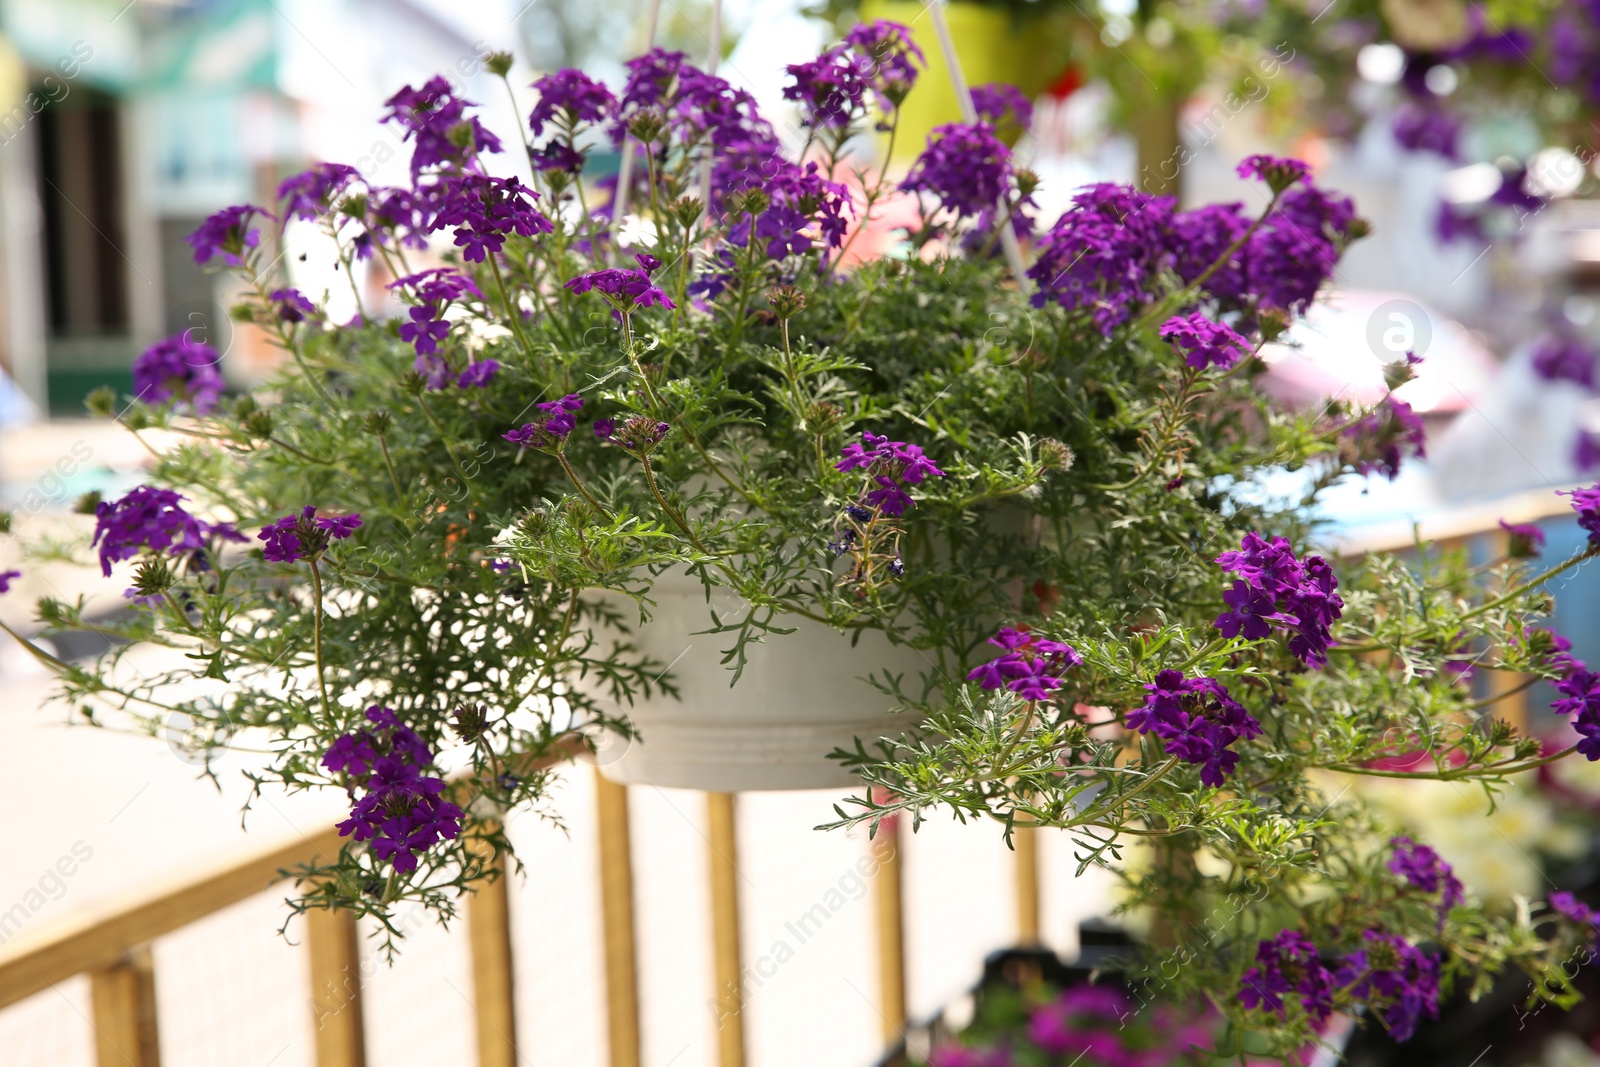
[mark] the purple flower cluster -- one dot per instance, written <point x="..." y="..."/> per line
<point x="434" y="291"/>
<point x="1204" y="343"/>
<point x="310" y="194"/>
<point x="625" y="290"/>
<point x="1586" y="502"/>
<point x="228" y="233"/>
<point x="436" y="120"/>
<point x="304" y="536"/>
<point x="1378" y="441"/>
<point x="402" y="812"/>
<point x="1425" y="871"/>
<point x="965" y="167"/>
<point x="892" y="58"/>
<point x="485" y="210"/>
<point x="891" y="466"/>
<point x="1424" y="128"/>
<point x="478" y="374"/>
<point x="151" y="519"/>
<point x="1395" y="980"/>
<point x="569" y="97"/>
<point x="6" y="578"/>
<point x="1275" y="589"/>
<point x="292" y="305"/>
<point x="182" y="369"/>
<point x="1523" y="540"/>
<point x="1560" y="357"/>
<point x="1104" y="254"/>
<point x="1107" y="253"/>
<point x="1030" y="667"/>
<point x="804" y="205"/>
<point x="994" y="101"/>
<point x="1197" y="720"/>
<point x="1570" y="907"/>
<point x="1278" y="173"/>
<point x="1580" y="698"/>
<point x="560" y="419"/>
<point x="878" y="59"/>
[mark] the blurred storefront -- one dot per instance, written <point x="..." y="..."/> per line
<point x="122" y="125"/>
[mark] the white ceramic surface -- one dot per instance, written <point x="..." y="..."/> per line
<point x="801" y="696"/>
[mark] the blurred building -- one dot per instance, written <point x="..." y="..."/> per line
<point x="123" y="124"/>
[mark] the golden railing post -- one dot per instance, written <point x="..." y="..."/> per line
<point x="123" y="996"/>
<point x="891" y="929"/>
<point x="724" y="855"/>
<point x="1025" y="839"/>
<point x="493" y="981"/>
<point x="338" y="1025"/>
<point x="616" y="917"/>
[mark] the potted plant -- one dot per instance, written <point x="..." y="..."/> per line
<point x="454" y="537"/>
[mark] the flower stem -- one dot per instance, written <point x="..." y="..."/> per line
<point x="572" y="475"/>
<point x="322" y="682"/>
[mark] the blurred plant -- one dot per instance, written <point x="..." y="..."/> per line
<point x="1039" y="483"/>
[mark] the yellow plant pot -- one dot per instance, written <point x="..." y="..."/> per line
<point x="993" y="45"/>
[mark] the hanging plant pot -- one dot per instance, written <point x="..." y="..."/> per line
<point x="801" y="696"/>
<point x="994" y="44"/>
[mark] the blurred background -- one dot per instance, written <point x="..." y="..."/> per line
<point x="1464" y="132"/>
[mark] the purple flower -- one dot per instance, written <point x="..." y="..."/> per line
<point x="1561" y="357"/>
<point x="151" y="519"/>
<point x="1203" y="342"/>
<point x="1523" y="540"/>
<point x="1586" y="502"/>
<point x="965" y="167"/>
<point x="434" y="291"/>
<point x="228" y="233"/>
<point x="572" y="96"/>
<point x="890" y="467"/>
<point x="1295" y="250"/>
<point x="1104" y="254"/>
<point x="6" y="578"/>
<point x="890" y="58"/>
<point x="1586" y="450"/>
<point x="485" y="210"/>
<point x="1198" y="720"/>
<point x="292" y="305"/>
<point x="437" y="121"/>
<point x="1288" y="964"/>
<point x="560" y="419"/>
<point x="1422" y="868"/>
<point x="1274" y="589"/>
<point x="1570" y="907"/>
<point x="477" y="375"/>
<point x="804" y="205"/>
<point x="402" y="812"/>
<point x="993" y="101"/>
<point x="180" y="369"/>
<point x="625" y="290"/>
<point x="310" y="194"/>
<point x="1580" y="698"/>
<point x="1395" y="980"/>
<point x="604" y="428"/>
<point x="1277" y="172"/>
<point x="1419" y="128"/>
<point x="304" y="536"/>
<point x="1377" y="442"/>
<point x="829" y="89"/>
<point x="1031" y="666"/>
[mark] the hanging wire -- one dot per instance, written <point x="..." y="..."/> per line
<point x="969" y="114"/>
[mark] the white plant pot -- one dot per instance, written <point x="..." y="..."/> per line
<point x="802" y="695"/>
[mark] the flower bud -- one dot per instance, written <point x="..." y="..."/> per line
<point x="87" y="503"/>
<point x="687" y="210"/>
<point x="258" y="424"/>
<point x="1054" y="456"/>
<point x="647" y="125"/>
<point x="499" y="63"/>
<point x="1027" y="182"/>
<point x="376" y="422"/>
<point x="469" y="721"/>
<point x="102" y="403"/>
<point x="1400" y="371"/>
<point x="786" y="301"/>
